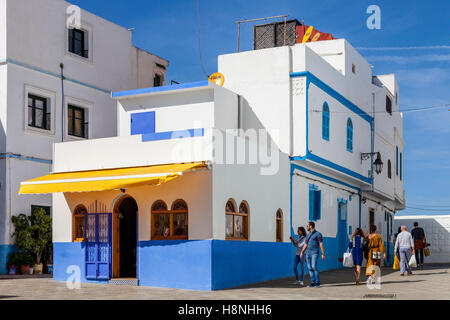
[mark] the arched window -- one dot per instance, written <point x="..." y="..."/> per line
<point x="78" y="223"/>
<point x="325" y="122"/>
<point x="388" y="105"/>
<point x="349" y="135"/>
<point x="279" y="225"/>
<point x="169" y="224"/>
<point x="180" y="218"/>
<point x="236" y="227"/>
<point x="389" y="170"/>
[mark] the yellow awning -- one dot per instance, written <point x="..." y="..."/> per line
<point x="100" y="180"/>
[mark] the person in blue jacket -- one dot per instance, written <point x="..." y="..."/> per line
<point x="357" y="245"/>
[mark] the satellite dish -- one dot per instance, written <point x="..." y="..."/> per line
<point x="307" y="34"/>
<point x="217" y="78"/>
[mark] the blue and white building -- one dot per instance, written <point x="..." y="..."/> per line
<point x="181" y="199"/>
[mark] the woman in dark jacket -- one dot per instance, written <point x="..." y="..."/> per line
<point x="357" y="245"/>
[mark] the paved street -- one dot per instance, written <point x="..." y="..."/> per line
<point x="433" y="282"/>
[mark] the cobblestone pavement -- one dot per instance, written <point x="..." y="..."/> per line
<point x="432" y="282"/>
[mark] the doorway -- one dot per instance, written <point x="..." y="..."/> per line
<point x="371" y="217"/>
<point x="125" y="238"/>
<point x="342" y="229"/>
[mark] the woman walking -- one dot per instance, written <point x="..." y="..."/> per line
<point x="297" y="260"/>
<point x="357" y="245"/>
<point x="376" y="252"/>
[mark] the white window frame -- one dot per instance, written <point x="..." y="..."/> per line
<point x="87" y="106"/>
<point x="51" y="103"/>
<point x="89" y="42"/>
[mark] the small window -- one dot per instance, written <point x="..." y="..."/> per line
<point x="169" y="224"/>
<point x="325" y="122"/>
<point x="396" y="161"/>
<point x="401" y="166"/>
<point x="279" y="220"/>
<point x="46" y="208"/>
<point x="77" y="124"/>
<point x="388" y="105"/>
<point x="78" y="42"/>
<point x="349" y="135"/>
<point x="236" y="227"/>
<point x="353" y="68"/>
<point x="78" y="223"/>
<point x="389" y="170"/>
<point x="157" y="80"/>
<point x="38" y="112"/>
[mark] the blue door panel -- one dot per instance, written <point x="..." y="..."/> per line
<point x="142" y="123"/>
<point x="98" y="238"/>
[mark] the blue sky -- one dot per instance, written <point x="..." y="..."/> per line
<point x="169" y="29"/>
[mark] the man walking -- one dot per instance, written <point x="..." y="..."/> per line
<point x="313" y="242"/>
<point x="419" y="243"/>
<point x="404" y="244"/>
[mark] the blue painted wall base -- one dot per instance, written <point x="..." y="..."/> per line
<point x="201" y="264"/>
<point x="5" y="249"/>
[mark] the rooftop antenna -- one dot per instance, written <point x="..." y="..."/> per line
<point x="258" y="19"/>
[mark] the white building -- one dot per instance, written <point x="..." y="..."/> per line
<point x="168" y="203"/>
<point x="34" y="41"/>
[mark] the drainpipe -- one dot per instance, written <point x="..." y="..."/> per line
<point x="61" y="65"/>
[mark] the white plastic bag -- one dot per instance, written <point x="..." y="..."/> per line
<point x="348" y="260"/>
<point x="413" y="262"/>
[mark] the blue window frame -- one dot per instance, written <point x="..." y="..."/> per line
<point x="401" y="163"/>
<point x="315" y="201"/>
<point x="349" y="135"/>
<point x="326" y="122"/>
<point x="396" y="161"/>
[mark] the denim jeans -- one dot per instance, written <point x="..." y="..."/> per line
<point x="405" y="255"/>
<point x="311" y="260"/>
<point x="298" y="261"/>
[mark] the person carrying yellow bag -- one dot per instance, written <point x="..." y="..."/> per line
<point x="396" y="263"/>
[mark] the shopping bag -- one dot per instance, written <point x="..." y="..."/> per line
<point x="413" y="262"/>
<point x="348" y="260"/>
<point x="396" y="265"/>
<point x="427" y="252"/>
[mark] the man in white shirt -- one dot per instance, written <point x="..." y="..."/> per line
<point x="405" y="245"/>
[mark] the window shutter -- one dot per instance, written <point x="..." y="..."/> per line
<point x="71" y="40"/>
<point x="311" y="203"/>
<point x="86" y="44"/>
<point x="317" y="204"/>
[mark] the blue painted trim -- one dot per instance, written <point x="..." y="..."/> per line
<point x="296" y="166"/>
<point x="334" y="166"/>
<point x="13" y="156"/>
<point x="336" y="95"/>
<point x="20" y="64"/>
<point x="326" y="118"/>
<point x="159" y="89"/>
<point x="173" y="134"/>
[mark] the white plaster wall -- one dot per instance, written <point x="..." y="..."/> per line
<point x="3" y="34"/>
<point x="437" y="232"/>
<point x="331" y="192"/>
<point x="262" y="78"/>
<point x="336" y="148"/>
<point x="193" y="187"/>
<point x="196" y="106"/>
<point x="265" y="194"/>
<point x="121" y="152"/>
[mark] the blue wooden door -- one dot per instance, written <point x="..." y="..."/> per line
<point x="342" y="236"/>
<point x="98" y="248"/>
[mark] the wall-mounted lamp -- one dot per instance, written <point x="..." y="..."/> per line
<point x="377" y="163"/>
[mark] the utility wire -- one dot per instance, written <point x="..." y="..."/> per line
<point x="416" y="109"/>
<point x="199" y="43"/>
<point x="428" y="209"/>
